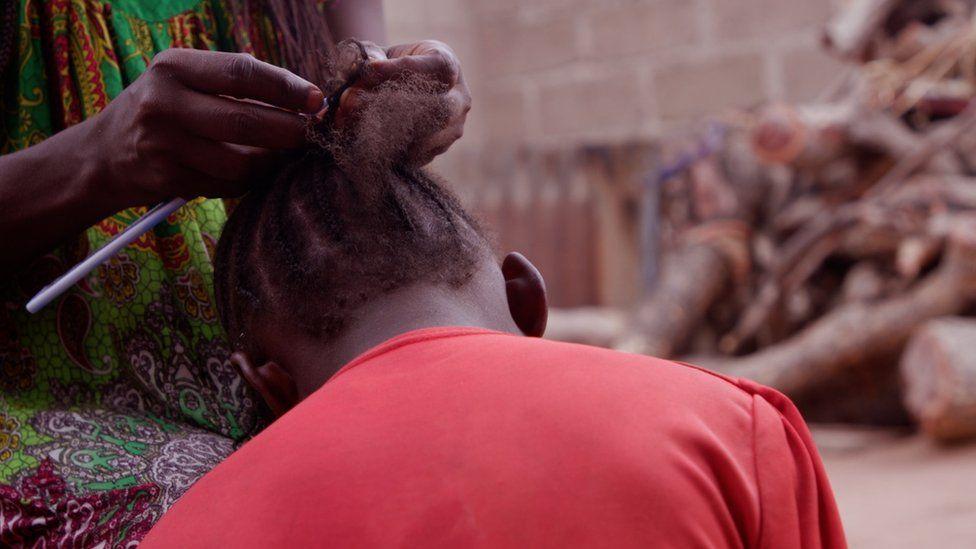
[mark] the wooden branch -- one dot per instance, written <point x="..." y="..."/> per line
<point x="601" y="327"/>
<point x="939" y="373"/>
<point x="857" y="332"/>
<point x="863" y="284"/>
<point x="802" y="253"/>
<point x="815" y="136"/>
<point x="915" y="254"/>
<point x="918" y="37"/>
<point x="691" y="279"/>
<point x="709" y="260"/>
<point x="850" y="32"/>
<point x="821" y="235"/>
<point x="935" y="142"/>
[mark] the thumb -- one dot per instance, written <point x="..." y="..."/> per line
<point x="434" y="65"/>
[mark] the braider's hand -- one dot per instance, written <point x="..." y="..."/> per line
<point x="178" y="130"/>
<point x="431" y="58"/>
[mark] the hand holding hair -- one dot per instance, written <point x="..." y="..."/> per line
<point x="428" y="59"/>
<point x="176" y="131"/>
<point x="199" y="123"/>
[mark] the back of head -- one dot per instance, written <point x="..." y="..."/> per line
<point x="350" y="219"/>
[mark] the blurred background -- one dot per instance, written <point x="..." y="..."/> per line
<point x="775" y="189"/>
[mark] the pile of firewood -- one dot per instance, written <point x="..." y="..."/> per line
<point x="805" y="246"/>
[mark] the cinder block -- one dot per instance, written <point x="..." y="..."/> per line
<point x="637" y="27"/>
<point x="502" y="112"/>
<point x="516" y="45"/>
<point x="443" y="12"/>
<point x="807" y="72"/>
<point x="592" y="103"/>
<point x="749" y="19"/>
<point x="693" y="89"/>
<point x="509" y="7"/>
<point x="403" y="13"/>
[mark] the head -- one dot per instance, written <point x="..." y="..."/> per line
<point x="319" y="266"/>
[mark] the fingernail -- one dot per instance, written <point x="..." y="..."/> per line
<point x="316" y="100"/>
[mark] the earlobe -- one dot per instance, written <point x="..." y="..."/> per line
<point x="526" y="290"/>
<point x="270" y="380"/>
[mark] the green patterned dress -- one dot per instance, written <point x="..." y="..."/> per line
<point x="119" y="395"/>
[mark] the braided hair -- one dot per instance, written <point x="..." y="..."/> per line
<point x="348" y="219"/>
<point x="305" y="42"/>
<point x="313" y="247"/>
<point x="352" y="216"/>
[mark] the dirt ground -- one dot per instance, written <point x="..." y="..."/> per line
<point x="897" y="490"/>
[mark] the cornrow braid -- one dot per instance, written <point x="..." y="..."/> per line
<point x="349" y="218"/>
<point x="313" y="247"/>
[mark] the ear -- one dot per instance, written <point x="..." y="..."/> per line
<point x="526" y="292"/>
<point x="270" y="380"/>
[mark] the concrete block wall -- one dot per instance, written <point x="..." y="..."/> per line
<point x="558" y="72"/>
<point x="578" y="77"/>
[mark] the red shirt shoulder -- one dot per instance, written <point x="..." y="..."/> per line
<point x="464" y="437"/>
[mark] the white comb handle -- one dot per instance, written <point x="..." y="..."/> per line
<point x="131" y="233"/>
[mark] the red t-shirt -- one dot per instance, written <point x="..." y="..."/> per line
<point x="458" y="437"/>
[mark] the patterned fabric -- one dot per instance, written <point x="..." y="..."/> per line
<point x="118" y="396"/>
<point x="8" y="14"/>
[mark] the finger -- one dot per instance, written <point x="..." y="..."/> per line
<point x="225" y="160"/>
<point x="240" y="75"/>
<point x="242" y="123"/>
<point x="438" y="64"/>
<point x="353" y="98"/>
<point x="350" y="102"/>
<point x="442" y="140"/>
<point x="436" y="145"/>
<point x="194" y="183"/>
<point x="373" y="51"/>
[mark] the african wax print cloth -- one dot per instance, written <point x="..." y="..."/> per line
<point x="119" y="395"/>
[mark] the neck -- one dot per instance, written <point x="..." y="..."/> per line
<point x="403" y="311"/>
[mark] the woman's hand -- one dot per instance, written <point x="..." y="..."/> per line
<point x="175" y="132"/>
<point x="179" y="131"/>
<point x="431" y="58"/>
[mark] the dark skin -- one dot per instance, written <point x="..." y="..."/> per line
<point x="285" y="366"/>
<point x="429" y="57"/>
<point x="196" y="123"/>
